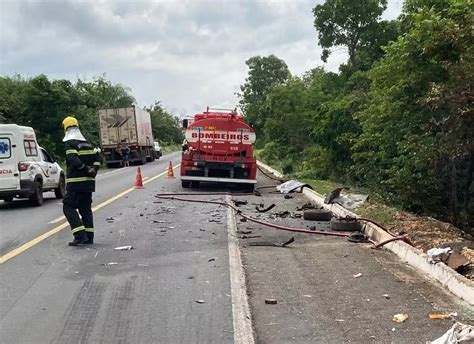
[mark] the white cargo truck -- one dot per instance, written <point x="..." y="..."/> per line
<point x="126" y="127"/>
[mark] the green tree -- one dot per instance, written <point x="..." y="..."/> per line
<point x="264" y="73"/>
<point x="347" y="23"/>
<point x="166" y="127"/>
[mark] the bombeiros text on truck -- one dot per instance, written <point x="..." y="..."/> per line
<point x="218" y="148"/>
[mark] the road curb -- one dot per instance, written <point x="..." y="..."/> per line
<point x="450" y="279"/>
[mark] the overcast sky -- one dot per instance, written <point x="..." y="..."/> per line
<point x="185" y="53"/>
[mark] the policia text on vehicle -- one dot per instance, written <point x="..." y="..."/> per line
<point x="82" y="161"/>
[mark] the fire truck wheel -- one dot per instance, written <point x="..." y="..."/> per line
<point x="185" y="184"/>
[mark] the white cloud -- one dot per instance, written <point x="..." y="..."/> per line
<point x="186" y="53"/>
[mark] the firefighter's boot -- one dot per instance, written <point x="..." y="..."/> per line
<point x="79" y="238"/>
<point x="90" y="238"/>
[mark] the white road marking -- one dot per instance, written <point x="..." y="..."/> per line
<point x="243" y="331"/>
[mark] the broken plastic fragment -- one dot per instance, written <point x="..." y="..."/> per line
<point x="357" y="275"/>
<point x="400" y="317"/>
<point x="123" y="248"/>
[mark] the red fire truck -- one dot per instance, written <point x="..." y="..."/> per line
<point x="218" y="148"/>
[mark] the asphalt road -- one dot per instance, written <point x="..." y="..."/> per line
<point x="173" y="287"/>
<point x="183" y="281"/>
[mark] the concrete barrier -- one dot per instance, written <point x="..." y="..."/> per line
<point x="450" y="279"/>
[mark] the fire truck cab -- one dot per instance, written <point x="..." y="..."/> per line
<point x="218" y="148"/>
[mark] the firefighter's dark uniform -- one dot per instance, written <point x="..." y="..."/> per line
<point x="82" y="165"/>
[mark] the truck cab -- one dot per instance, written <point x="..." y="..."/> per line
<point x="26" y="169"/>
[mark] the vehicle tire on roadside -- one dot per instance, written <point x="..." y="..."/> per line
<point x="36" y="198"/>
<point x="317" y="215"/>
<point x="195" y="184"/>
<point x="185" y="184"/>
<point x="345" y="225"/>
<point x="60" y="191"/>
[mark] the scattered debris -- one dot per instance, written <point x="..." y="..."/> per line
<point x="386" y="296"/>
<point x="243" y="219"/>
<point x="439" y="316"/>
<point x="211" y="259"/>
<point x="346" y="200"/>
<point x="271" y="301"/>
<point x="264" y="210"/>
<point x="190" y="277"/>
<point x="457" y="261"/>
<point x="306" y="206"/>
<point x="283" y="214"/>
<point x="307" y="295"/>
<point x="294" y="215"/>
<point x="400" y="317"/>
<point x="291" y="185"/>
<point x="111" y="263"/>
<point x="288" y="196"/>
<point x="358" y="237"/>
<point x="436" y="255"/>
<point x="340" y="320"/>
<point x="456" y="334"/>
<point x="358" y="275"/>
<point x="214" y="220"/>
<point x="159" y="221"/>
<point x="123" y="248"/>
<point x="345" y="225"/>
<point x="110" y="219"/>
<point x="141" y="214"/>
<point x="200" y="301"/>
<point x="250" y="236"/>
<point x="317" y="215"/>
<point x="238" y="203"/>
<point x="244" y="232"/>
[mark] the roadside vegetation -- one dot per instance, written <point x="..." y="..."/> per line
<point x="42" y="103"/>
<point x="396" y="120"/>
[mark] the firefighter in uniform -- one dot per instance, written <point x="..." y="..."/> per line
<point x="82" y="161"/>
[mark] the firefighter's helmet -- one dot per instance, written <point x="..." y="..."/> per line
<point x="70" y="122"/>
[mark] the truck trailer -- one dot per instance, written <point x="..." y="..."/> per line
<point x="120" y="127"/>
<point x="218" y="148"/>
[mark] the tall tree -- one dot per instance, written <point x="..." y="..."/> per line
<point x="264" y="73"/>
<point x="347" y="23"/>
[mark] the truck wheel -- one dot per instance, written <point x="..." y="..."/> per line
<point x="185" y="184"/>
<point x="60" y="191"/>
<point x="345" y="225"/>
<point x="195" y="184"/>
<point x="249" y="187"/>
<point x="37" y="197"/>
<point x="317" y="215"/>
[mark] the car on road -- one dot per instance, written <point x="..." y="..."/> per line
<point x="26" y="169"/>
<point x="157" y="150"/>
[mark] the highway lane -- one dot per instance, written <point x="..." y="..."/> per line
<point x="20" y="222"/>
<point x="173" y="287"/>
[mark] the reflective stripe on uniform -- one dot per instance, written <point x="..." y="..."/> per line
<point x="90" y="230"/>
<point x="79" y="179"/>
<point x="97" y="163"/>
<point x="87" y="152"/>
<point x="71" y="151"/>
<point x="77" y="229"/>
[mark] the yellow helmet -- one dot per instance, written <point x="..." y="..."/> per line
<point x="70" y="122"/>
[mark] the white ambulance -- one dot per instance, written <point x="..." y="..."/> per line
<point x="26" y="169"/>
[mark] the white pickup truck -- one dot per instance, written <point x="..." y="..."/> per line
<point x="26" y="169"/>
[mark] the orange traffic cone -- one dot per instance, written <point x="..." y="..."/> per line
<point x="139" y="180"/>
<point x="170" y="171"/>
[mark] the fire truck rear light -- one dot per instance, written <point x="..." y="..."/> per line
<point x="23" y="166"/>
